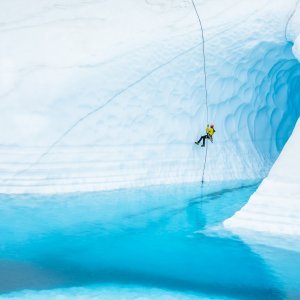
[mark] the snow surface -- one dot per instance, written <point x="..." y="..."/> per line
<point x="109" y="94"/>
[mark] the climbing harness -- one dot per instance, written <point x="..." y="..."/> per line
<point x="205" y="81"/>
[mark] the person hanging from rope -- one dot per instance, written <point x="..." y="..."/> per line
<point x="210" y="130"/>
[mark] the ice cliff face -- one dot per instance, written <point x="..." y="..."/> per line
<point x="275" y="206"/>
<point x="109" y="94"/>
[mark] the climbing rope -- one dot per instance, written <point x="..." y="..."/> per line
<point x="204" y="60"/>
<point x="289" y="19"/>
<point x="205" y="81"/>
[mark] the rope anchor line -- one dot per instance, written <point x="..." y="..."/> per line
<point x="205" y="81"/>
<point x="108" y="101"/>
<point x="290" y="18"/>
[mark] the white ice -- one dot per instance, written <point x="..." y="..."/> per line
<point x="275" y="207"/>
<point x="106" y="292"/>
<point x="61" y="61"/>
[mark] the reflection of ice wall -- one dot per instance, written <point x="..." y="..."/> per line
<point x="62" y="61"/>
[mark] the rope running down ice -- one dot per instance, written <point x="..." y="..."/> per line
<point x="289" y="19"/>
<point x="205" y="81"/>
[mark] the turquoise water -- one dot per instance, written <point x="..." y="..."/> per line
<point x="146" y="238"/>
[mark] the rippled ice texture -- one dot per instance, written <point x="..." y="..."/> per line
<point x="117" y="86"/>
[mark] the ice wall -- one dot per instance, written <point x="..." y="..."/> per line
<point x="101" y="95"/>
<point x="275" y="207"/>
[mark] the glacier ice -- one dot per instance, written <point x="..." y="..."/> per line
<point x="100" y="95"/>
<point x="120" y="97"/>
<point x="275" y="207"/>
<point x="107" y="292"/>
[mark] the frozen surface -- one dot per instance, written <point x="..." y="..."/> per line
<point x="275" y="206"/>
<point x="106" y="293"/>
<point x="101" y="95"/>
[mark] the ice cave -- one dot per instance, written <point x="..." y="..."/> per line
<point x="104" y="193"/>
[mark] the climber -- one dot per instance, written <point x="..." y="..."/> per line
<point x="210" y="130"/>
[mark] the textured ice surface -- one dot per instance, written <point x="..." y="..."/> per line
<point x="108" y="293"/>
<point x="105" y="293"/>
<point x="141" y="63"/>
<point x="275" y="206"/>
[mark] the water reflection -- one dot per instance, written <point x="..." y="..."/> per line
<point x="144" y="237"/>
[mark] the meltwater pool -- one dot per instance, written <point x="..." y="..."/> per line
<point x="149" y="243"/>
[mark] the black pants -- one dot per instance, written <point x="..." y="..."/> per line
<point x="203" y="137"/>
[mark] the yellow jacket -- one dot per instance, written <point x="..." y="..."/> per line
<point x="210" y="131"/>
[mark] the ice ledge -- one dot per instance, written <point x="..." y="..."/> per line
<point x="275" y="207"/>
